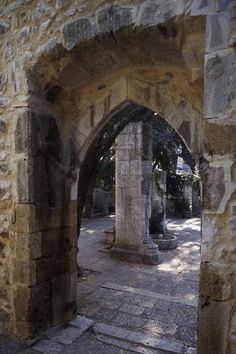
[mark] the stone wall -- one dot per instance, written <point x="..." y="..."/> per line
<point x="66" y="67"/>
<point x="217" y="278"/>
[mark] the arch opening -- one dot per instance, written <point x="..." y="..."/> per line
<point x="74" y="86"/>
<point x="92" y="298"/>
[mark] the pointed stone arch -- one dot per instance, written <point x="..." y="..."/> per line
<point x="152" y="39"/>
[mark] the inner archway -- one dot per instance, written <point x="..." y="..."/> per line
<point x="104" y="303"/>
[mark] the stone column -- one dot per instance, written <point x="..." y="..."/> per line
<point x="158" y="203"/>
<point x="188" y="198"/>
<point x="44" y="229"/>
<point x="133" y="179"/>
<point x="196" y="202"/>
<point x="217" y="306"/>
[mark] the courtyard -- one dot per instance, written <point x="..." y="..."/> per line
<point x="155" y="300"/>
<point x="130" y="308"/>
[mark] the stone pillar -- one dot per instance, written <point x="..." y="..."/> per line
<point x="133" y="179"/>
<point x="158" y="203"/>
<point x="44" y="229"/>
<point x="188" y="198"/>
<point x="196" y="201"/>
<point x="217" y="306"/>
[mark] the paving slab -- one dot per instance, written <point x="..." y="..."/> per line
<point x="132" y="309"/>
<point x="149" y="341"/>
<point x="47" y="346"/>
<point x="89" y="344"/>
<point x="129" y="321"/>
<point x="193" y="301"/>
<point x="132" y="347"/>
<point x="8" y="346"/>
<point x="156" y="300"/>
<point x="82" y="323"/>
<point x="65" y="335"/>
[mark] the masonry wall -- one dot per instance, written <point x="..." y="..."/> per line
<point x="217" y="277"/>
<point x="47" y="76"/>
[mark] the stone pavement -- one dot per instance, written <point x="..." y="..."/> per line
<point x="128" y="308"/>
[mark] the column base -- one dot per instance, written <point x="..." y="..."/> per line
<point x="144" y="256"/>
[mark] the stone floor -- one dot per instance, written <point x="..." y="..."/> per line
<point x="128" y="308"/>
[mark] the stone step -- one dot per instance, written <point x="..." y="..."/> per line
<point x="177" y="299"/>
<point x="121" y="336"/>
<point x="58" y="337"/>
<point x="128" y="346"/>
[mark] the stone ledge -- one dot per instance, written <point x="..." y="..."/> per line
<point x="176" y="299"/>
<point x="151" y="256"/>
<point x="82" y="323"/>
<point x="139" y="338"/>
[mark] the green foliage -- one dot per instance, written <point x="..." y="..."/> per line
<point x="195" y="177"/>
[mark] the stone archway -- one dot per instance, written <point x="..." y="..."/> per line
<point x="151" y="54"/>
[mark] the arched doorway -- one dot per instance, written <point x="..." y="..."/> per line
<point x="70" y="98"/>
<point x="136" y="297"/>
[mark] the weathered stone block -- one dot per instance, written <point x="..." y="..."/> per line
<point x="24" y="192"/>
<point x="25" y="272"/>
<point x="58" y="299"/>
<point x="71" y="295"/>
<point x="72" y="75"/>
<point x="220" y="82"/>
<point x="48" y="346"/>
<point x="71" y="236"/>
<point x="215" y="281"/>
<point x="47" y="268"/>
<point x="213" y="186"/>
<point x="39" y="180"/>
<point x="208" y="236"/>
<point x="28" y="245"/>
<point x="114" y="17"/>
<point x="80" y="30"/>
<point x="224" y="4"/>
<point x="49" y="217"/>
<point x="70" y="213"/>
<point x="64" y="297"/>
<point x="82" y="323"/>
<point x="152" y="12"/>
<point x="36" y="133"/>
<point x="219" y="139"/>
<point x="217" y="31"/>
<point x="199" y="7"/>
<point x="214" y="318"/>
<point x="25" y="219"/>
<point x="69" y="264"/>
<point x="32" y="306"/>
<point x="64" y="335"/>
<point x="53" y="241"/>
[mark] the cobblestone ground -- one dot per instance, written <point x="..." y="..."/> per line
<point x="127" y="308"/>
<point x="159" y="300"/>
